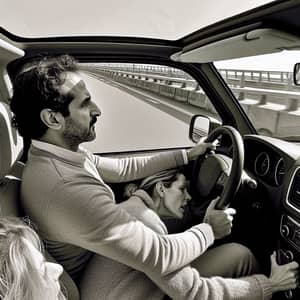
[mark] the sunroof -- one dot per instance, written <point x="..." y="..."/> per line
<point x="163" y="19"/>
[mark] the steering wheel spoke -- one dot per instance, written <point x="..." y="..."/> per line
<point x="222" y="180"/>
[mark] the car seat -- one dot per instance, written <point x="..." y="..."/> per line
<point x="11" y="168"/>
<point x="11" y="142"/>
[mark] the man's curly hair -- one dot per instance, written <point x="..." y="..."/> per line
<point x="35" y="88"/>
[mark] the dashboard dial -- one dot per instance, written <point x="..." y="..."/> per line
<point x="279" y="172"/>
<point x="262" y="164"/>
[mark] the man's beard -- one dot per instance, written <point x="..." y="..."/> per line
<point x="74" y="134"/>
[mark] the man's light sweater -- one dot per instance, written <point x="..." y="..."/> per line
<point x="65" y="194"/>
<point x="115" y="278"/>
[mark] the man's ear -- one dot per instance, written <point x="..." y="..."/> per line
<point x="159" y="187"/>
<point x="51" y="118"/>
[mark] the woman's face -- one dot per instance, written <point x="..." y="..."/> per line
<point x="176" y="196"/>
<point x="49" y="271"/>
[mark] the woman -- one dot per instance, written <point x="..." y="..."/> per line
<point x="167" y="190"/>
<point x="24" y="273"/>
<point x="165" y="195"/>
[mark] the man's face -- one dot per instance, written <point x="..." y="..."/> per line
<point x="80" y="124"/>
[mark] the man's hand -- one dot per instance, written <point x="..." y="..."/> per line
<point x="219" y="220"/>
<point x="200" y="148"/>
<point x="283" y="277"/>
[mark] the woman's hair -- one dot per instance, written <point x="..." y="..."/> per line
<point x="167" y="177"/>
<point x="35" y="88"/>
<point x="19" y="277"/>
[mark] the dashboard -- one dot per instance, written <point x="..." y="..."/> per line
<point x="268" y="159"/>
<point x="275" y="165"/>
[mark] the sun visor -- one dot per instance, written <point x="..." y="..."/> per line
<point x="9" y="52"/>
<point x="255" y="42"/>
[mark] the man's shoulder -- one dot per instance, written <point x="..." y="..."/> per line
<point x="39" y="167"/>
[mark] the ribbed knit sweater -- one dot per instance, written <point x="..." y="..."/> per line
<point x="117" y="281"/>
<point x="66" y="195"/>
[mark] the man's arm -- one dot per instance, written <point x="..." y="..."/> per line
<point x="187" y="284"/>
<point x="126" y="169"/>
<point x="132" y="168"/>
<point x="86" y="216"/>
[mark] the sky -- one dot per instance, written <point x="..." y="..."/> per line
<point x="281" y="61"/>
<point x="168" y="19"/>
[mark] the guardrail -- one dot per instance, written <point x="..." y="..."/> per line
<point x="176" y="88"/>
<point x="270" y="99"/>
<point x="256" y="78"/>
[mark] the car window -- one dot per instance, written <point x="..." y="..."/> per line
<point x="264" y="87"/>
<point x="144" y="107"/>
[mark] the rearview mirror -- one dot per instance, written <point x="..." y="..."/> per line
<point x="296" y="74"/>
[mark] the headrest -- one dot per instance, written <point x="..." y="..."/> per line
<point x="11" y="144"/>
<point x="10" y="191"/>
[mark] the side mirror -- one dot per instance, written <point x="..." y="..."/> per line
<point x="296" y="74"/>
<point x="200" y="126"/>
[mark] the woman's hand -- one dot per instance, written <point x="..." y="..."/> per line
<point x="283" y="277"/>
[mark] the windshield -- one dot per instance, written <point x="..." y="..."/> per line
<point x="264" y="87"/>
<point x="144" y="106"/>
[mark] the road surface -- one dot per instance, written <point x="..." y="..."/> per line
<point x="129" y="124"/>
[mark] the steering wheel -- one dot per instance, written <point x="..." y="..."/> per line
<point x="216" y="170"/>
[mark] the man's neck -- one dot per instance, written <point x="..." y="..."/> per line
<point x="59" y="143"/>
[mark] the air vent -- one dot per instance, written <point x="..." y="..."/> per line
<point x="294" y="193"/>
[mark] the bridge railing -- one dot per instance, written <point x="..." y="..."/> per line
<point x="270" y="99"/>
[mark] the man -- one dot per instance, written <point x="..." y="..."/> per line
<point x="64" y="191"/>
